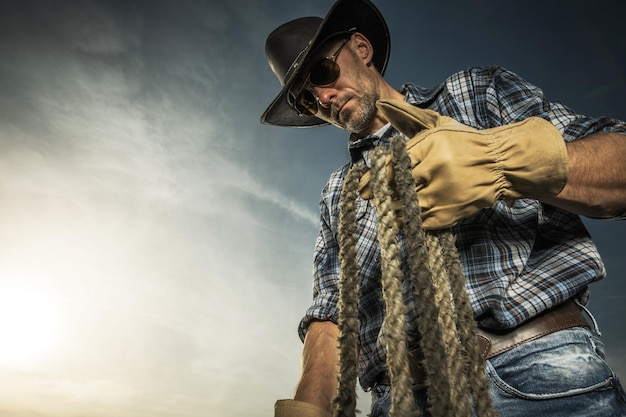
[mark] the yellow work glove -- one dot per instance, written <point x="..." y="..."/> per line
<point x="459" y="170"/>
<point x="293" y="408"/>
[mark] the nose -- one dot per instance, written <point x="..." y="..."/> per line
<point x="325" y="95"/>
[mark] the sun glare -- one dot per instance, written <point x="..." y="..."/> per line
<point x="28" y="325"/>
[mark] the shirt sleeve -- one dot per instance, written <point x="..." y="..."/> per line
<point x="326" y="264"/>
<point x="510" y="98"/>
<point x="486" y="97"/>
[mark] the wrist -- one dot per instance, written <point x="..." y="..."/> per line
<point x="320" y="394"/>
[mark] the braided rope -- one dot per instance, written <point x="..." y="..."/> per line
<point x="429" y="323"/>
<point x="479" y="387"/>
<point x="394" y="324"/>
<point x="452" y="362"/>
<point x="443" y="298"/>
<point x="349" y="284"/>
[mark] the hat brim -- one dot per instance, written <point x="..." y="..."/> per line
<point x="343" y="16"/>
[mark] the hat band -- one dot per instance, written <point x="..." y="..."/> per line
<point x="295" y="64"/>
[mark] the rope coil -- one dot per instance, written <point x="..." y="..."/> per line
<point x="455" y="374"/>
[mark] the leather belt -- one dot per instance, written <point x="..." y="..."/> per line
<point x="491" y="344"/>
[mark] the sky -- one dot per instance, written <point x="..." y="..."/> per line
<point x="157" y="240"/>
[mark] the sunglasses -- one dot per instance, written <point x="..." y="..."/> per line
<point x="324" y="73"/>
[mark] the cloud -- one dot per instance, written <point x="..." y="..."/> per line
<point x="128" y="199"/>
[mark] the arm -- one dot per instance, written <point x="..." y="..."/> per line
<point x="596" y="184"/>
<point x="320" y="359"/>
<point x="527" y="159"/>
<point x="318" y="383"/>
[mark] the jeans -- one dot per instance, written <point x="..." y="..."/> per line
<point x="561" y="374"/>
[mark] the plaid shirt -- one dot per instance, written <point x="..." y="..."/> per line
<point x="518" y="261"/>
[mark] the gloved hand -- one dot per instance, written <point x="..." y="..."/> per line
<point x="293" y="408"/>
<point x="459" y="170"/>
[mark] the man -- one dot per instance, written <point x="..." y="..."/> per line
<point x="515" y="211"/>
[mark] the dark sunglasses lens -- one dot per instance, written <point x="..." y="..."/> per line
<point x="306" y="103"/>
<point x="325" y="72"/>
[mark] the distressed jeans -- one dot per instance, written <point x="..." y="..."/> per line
<point x="561" y="374"/>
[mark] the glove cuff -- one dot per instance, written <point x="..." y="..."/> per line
<point x="293" y="408"/>
<point x="534" y="160"/>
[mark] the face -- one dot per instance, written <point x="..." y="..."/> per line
<point x="349" y="102"/>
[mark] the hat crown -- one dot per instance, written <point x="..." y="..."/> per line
<point x="287" y="43"/>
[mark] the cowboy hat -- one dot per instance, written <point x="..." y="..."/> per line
<point x="288" y="47"/>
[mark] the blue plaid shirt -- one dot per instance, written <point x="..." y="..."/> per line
<point x="518" y="261"/>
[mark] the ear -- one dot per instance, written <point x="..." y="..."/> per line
<point x="405" y="117"/>
<point x="364" y="48"/>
